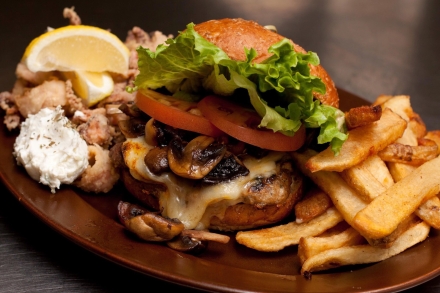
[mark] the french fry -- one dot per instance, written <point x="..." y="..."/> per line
<point x="311" y="246"/>
<point x="379" y="170"/>
<point x="363" y="181"/>
<point x="278" y="237"/>
<point x="429" y="211"/>
<point x="382" y="216"/>
<point x="381" y="99"/>
<point x="345" y="198"/>
<point x="314" y="203"/>
<point x="400" y="171"/>
<point x="363" y="115"/>
<point x="361" y="143"/>
<point x="388" y="240"/>
<point x="407" y="154"/>
<point x="417" y="125"/>
<point x="361" y="254"/>
<point x="401" y="105"/>
<point x="206" y="236"/>
<point x="434" y="136"/>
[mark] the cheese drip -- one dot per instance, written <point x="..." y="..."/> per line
<point x="188" y="201"/>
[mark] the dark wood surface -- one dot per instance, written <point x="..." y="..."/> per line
<point x="368" y="47"/>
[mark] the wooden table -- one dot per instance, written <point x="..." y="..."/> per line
<point x="368" y="47"/>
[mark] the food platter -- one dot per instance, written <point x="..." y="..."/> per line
<point x="90" y="221"/>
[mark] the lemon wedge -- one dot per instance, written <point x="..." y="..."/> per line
<point x="77" y="48"/>
<point x="92" y="87"/>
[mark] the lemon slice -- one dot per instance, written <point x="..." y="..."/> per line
<point x="77" y="48"/>
<point x="92" y="87"/>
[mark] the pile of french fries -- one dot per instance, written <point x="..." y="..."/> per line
<point x="377" y="198"/>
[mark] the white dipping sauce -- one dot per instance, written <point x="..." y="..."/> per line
<point x="50" y="148"/>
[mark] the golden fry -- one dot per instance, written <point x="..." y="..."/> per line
<point x="381" y="99"/>
<point x="429" y="212"/>
<point x="311" y="246"/>
<point x="206" y="236"/>
<point x="417" y="125"/>
<point x="345" y="198"/>
<point x="360" y="178"/>
<point x="400" y="171"/>
<point x="314" y="203"/>
<point x="382" y="216"/>
<point x="401" y="105"/>
<point x="434" y="136"/>
<point x="406" y="154"/>
<point x="278" y="237"/>
<point x="361" y="143"/>
<point x="388" y="240"/>
<point x="379" y="170"/>
<point x="363" y="181"/>
<point x="361" y="254"/>
<point x="362" y="115"/>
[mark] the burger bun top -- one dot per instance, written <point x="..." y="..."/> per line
<point x="233" y="35"/>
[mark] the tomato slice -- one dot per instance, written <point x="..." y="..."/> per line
<point x="242" y="124"/>
<point x="175" y="112"/>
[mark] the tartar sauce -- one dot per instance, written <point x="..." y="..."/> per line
<point x="50" y="148"/>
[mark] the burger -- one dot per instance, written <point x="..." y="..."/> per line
<point x="226" y="101"/>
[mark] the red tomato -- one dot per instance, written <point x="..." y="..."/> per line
<point x="241" y="123"/>
<point x="174" y="112"/>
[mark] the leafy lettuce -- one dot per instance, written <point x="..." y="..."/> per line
<point x="280" y="88"/>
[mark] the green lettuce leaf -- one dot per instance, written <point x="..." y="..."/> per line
<point x="190" y="66"/>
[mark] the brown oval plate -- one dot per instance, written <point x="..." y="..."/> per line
<point x="90" y="221"/>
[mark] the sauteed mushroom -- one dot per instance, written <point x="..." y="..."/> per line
<point x="131" y="110"/>
<point x="230" y="167"/>
<point x="185" y="243"/>
<point x="151" y="226"/>
<point x="194" y="159"/>
<point x="157" y="160"/>
<point x="147" y="225"/>
<point x="132" y="128"/>
<point x="194" y="241"/>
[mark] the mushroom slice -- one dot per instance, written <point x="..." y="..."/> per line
<point x="186" y="244"/>
<point x="131" y="110"/>
<point x="127" y="211"/>
<point x="147" y="225"/>
<point x="195" y="159"/>
<point x="195" y="241"/>
<point x="132" y="128"/>
<point x="206" y="236"/>
<point x="157" y="160"/>
<point x="230" y="167"/>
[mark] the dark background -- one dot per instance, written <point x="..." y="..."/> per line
<point x="368" y="47"/>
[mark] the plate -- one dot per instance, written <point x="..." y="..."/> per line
<point x="91" y="222"/>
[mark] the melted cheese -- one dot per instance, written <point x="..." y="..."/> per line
<point x="188" y="202"/>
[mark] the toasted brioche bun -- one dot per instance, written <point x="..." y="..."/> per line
<point x="233" y="35"/>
